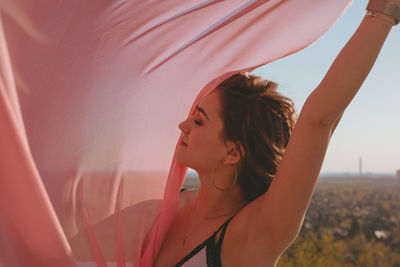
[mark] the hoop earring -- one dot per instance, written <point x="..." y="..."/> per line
<point x="219" y="188"/>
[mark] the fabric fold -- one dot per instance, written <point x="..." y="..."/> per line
<point x="92" y="93"/>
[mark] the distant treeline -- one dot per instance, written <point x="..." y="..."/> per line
<point x="350" y="222"/>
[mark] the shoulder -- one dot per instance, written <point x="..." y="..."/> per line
<point x="132" y="225"/>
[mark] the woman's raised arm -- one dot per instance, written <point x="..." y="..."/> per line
<point x="282" y="209"/>
<point x="348" y="72"/>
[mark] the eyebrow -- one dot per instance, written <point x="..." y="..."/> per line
<point x="202" y="111"/>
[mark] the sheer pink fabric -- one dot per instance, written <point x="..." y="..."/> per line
<point x="92" y="93"/>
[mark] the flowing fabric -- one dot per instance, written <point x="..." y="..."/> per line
<point x="91" y="95"/>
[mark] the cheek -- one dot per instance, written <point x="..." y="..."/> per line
<point x="207" y="144"/>
<point x="205" y="138"/>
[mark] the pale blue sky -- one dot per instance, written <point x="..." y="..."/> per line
<point x="370" y="127"/>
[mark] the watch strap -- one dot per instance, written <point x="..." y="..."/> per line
<point x="385" y="7"/>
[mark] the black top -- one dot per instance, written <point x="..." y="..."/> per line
<point x="213" y="251"/>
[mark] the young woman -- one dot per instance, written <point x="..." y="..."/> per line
<point x="256" y="182"/>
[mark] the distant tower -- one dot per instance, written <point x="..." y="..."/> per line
<point x="360" y="166"/>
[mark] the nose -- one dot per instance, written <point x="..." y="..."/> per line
<point x="184" y="126"/>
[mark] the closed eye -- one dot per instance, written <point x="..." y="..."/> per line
<point x="197" y="122"/>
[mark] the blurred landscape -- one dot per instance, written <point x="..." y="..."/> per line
<point x="352" y="220"/>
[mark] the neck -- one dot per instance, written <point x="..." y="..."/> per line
<point x="211" y="202"/>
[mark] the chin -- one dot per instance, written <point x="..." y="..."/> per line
<point x="188" y="160"/>
<point x="183" y="159"/>
<point x="180" y="158"/>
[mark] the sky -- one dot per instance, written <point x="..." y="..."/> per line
<point x="370" y="126"/>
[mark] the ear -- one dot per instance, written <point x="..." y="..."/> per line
<point x="235" y="152"/>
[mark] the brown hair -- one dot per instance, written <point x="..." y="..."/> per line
<point x="261" y="119"/>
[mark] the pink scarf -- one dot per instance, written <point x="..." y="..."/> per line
<point x="91" y="95"/>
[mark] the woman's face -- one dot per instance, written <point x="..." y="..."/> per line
<point x="202" y="133"/>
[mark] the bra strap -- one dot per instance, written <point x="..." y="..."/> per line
<point x="221" y="237"/>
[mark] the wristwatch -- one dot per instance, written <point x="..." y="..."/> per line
<point x="385" y="7"/>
